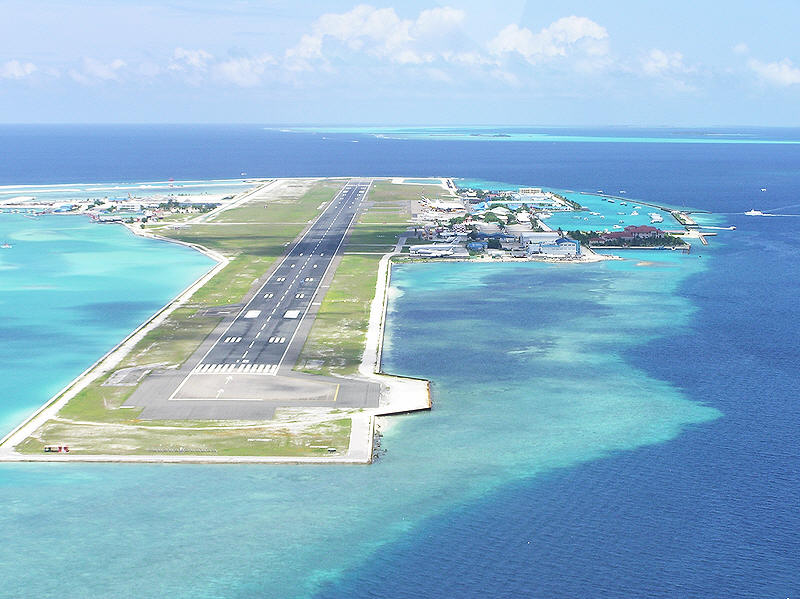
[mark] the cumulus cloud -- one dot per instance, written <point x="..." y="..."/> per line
<point x="782" y="73"/>
<point x="14" y="69"/>
<point x="94" y="70"/>
<point x="377" y="32"/>
<point x="659" y="63"/>
<point x="183" y="59"/>
<point x="244" y="72"/>
<point x="557" y="39"/>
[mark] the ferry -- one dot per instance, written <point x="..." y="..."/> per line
<point x="754" y="212"/>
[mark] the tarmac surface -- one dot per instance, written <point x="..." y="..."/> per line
<point x="243" y="369"/>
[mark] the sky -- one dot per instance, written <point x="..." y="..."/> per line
<point x="581" y="63"/>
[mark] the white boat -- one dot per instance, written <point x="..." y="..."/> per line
<point x="634" y="213"/>
<point x="754" y="213"/>
<point x="6" y="246"/>
<point x="655" y="217"/>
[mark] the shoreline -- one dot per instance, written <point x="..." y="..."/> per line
<point x="362" y="432"/>
<point x="113" y="356"/>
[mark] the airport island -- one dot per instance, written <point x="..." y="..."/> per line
<point x="274" y="355"/>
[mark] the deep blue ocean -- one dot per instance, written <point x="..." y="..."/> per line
<point x="624" y="429"/>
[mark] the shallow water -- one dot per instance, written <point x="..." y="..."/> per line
<point x="618" y="429"/>
<point x="69" y="291"/>
<point x="511" y="401"/>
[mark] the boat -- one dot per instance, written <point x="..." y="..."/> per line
<point x="6" y="246"/>
<point x="623" y="203"/>
<point x="655" y="217"/>
<point x="610" y="200"/>
<point x="754" y="212"/>
<point x="634" y="213"/>
<point x="622" y="191"/>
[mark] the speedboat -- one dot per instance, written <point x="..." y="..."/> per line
<point x="754" y="213"/>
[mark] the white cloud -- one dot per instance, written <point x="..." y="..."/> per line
<point x="659" y="63"/>
<point x="782" y="73"/>
<point x="14" y="69"/>
<point x="98" y="70"/>
<point x="183" y="59"/>
<point x="469" y="58"/>
<point x="436" y="20"/>
<point x="244" y="72"/>
<point x="377" y="32"/>
<point x="557" y="39"/>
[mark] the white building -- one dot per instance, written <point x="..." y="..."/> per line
<point x="561" y="248"/>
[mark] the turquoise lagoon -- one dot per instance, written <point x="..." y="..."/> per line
<point x="529" y="375"/>
<point x="565" y="134"/>
<point x="69" y="291"/>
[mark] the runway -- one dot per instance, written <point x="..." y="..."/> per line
<point x="258" y="340"/>
<point x="247" y="371"/>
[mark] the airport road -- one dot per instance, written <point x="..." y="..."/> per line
<point x="259" y="339"/>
